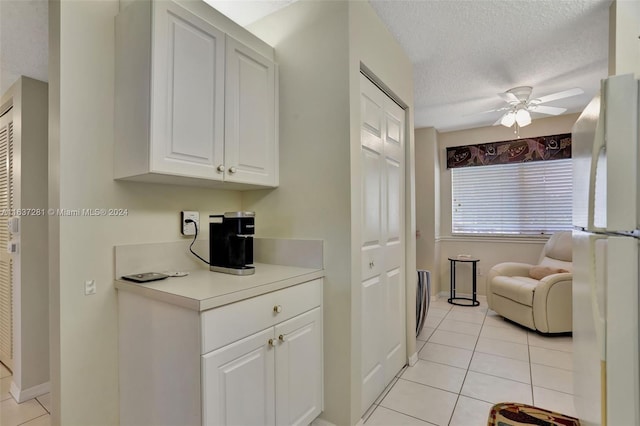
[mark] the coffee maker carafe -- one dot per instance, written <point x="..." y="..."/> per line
<point x="231" y="243"/>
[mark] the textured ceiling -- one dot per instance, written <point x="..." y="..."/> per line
<point x="465" y="52"/>
<point x="24" y="36"/>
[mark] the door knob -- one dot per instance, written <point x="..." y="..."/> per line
<point x="220" y="168"/>
<point x="272" y="342"/>
<point x="281" y="337"/>
<point x="232" y="169"/>
<point x="277" y="309"/>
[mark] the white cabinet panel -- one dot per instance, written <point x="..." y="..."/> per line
<point x="238" y="383"/>
<point x="299" y="369"/>
<point x="250" y="142"/>
<point x="192" y="105"/>
<point x="189" y="94"/>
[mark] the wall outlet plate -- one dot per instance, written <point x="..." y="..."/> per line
<point x="188" y="228"/>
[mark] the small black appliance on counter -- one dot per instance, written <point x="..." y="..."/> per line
<point x="231" y="243"/>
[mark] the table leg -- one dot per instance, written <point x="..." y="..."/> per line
<point x="452" y="286"/>
<point x="474" y="284"/>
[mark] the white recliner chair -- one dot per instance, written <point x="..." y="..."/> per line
<point x="536" y="296"/>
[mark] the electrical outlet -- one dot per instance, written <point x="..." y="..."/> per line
<point x="189" y="228"/>
<point x="90" y="287"/>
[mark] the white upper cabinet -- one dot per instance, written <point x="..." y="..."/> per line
<point x="193" y="105"/>
<point x="250" y="116"/>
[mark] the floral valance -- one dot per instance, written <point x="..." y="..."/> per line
<point x="555" y="147"/>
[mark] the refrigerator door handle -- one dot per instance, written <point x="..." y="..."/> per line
<point x="599" y="146"/>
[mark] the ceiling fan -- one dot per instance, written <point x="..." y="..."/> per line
<point x="520" y="106"/>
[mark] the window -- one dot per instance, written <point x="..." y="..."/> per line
<point x="514" y="199"/>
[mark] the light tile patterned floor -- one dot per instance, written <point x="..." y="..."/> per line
<point x="469" y="359"/>
<point x="35" y="412"/>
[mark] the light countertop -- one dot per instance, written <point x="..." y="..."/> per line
<point x="203" y="289"/>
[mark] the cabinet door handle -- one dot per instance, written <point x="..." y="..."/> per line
<point x="272" y="342"/>
<point x="277" y="309"/>
<point x="232" y="169"/>
<point x="220" y="168"/>
<point x="281" y="337"/>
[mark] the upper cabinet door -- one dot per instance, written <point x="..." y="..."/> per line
<point x="251" y="149"/>
<point x="187" y="94"/>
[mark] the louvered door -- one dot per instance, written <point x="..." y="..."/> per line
<point x="6" y="273"/>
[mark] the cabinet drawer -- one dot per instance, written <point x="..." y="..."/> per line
<point x="221" y="326"/>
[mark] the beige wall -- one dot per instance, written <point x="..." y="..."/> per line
<point x="30" y="268"/>
<point x="624" y="22"/>
<point x="372" y="47"/>
<point x="84" y="328"/>
<point x="490" y="251"/>
<point x="428" y="202"/>
<point x="319" y="48"/>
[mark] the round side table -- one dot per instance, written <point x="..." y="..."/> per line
<point x="452" y="289"/>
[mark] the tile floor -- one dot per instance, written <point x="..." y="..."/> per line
<point x="469" y="359"/>
<point x="35" y="412"/>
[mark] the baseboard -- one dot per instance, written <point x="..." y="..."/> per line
<point x="322" y="422"/>
<point x="413" y="359"/>
<point x="22" y="395"/>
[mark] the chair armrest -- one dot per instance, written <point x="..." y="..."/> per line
<point x="510" y="269"/>
<point x="552" y="303"/>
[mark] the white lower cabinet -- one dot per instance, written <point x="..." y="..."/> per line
<point x="271" y="377"/>
<point x="238" y="382"/>
<point x="254" y="362"/>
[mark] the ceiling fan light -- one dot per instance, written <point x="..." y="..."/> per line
<point x="523" y="117"/>
<point x="508" y="119"/>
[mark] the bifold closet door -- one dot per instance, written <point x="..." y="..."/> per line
<point x="6" y="271"/>
<point x="383" y="303"/>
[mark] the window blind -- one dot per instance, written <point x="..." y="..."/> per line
<point x="513" y="199"/>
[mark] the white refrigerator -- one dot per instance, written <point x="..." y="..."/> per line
<point x="605" y="256"/>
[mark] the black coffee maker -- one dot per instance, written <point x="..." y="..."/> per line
<point x="231" y="243"/>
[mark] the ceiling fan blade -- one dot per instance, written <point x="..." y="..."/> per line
<point x="482" y="112"/>
<point x="509" y="97"/>
<point x="559" y="95"/>
<point x="542" y="109"/>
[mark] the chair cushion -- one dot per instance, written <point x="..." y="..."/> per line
<point x="559" y="246"/>
<point x="518" y="289"/>
<point x="539" y="272"/>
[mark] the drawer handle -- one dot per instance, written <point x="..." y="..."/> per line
<point x="281" y="337"/>
<point x="272" y="342"/>
<point x="277" y="309"/>
<point x="220" y="168"/>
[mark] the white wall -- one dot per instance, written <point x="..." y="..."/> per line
<point x="624" y="53"/>
<point x="373" y="48"/>
<point x="490" y="251"/>
<point x="30" y="268"/>
<point x="319" y="47"/>
<point x="84" y="328"/>
<point x="428" y="202"/>
<point x="313" y="199"/>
